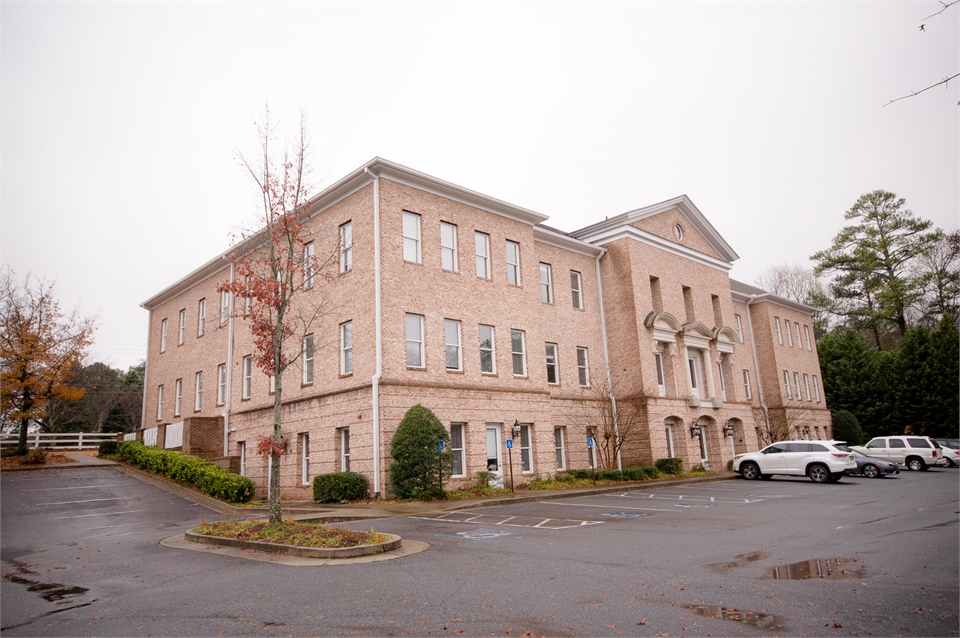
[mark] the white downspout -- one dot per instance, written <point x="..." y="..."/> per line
<point x="229" y="388"/>
<point x="146" y="373"/>
<point x="375" y="381"/>
<point x="606" y="360"/>
<point x="756" y="367"/>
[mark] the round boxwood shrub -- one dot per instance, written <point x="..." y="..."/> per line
<point x="419" y="467"/>
<point x="846" y="427"/>
<point x="107" y="447"/>
<point x="338" y="487"/>
<point x="670" y="466"/>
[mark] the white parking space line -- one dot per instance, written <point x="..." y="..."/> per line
<point x="93" y="500"/>
<point x="77" y="487"/>
<point x="606" y="507"/>
<point x="100" y="514"/>
<point x="685" y="497"/>
<point x="84" y="529"/>
<point x="510" y="521"/>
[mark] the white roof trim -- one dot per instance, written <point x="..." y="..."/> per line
<point x="546" y="236"/>
<point x="682" y="203"/>
<point x="629" y="232"/>
<point x="769" y="297"/>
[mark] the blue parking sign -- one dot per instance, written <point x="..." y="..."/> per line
<point x="509" y="444"/>
<point x="440" y="445"/>
<point x="590" y="442"/>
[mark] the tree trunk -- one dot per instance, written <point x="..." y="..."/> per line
<point x="276" y="513"/>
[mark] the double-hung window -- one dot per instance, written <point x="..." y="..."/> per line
<point x="458" y="450"/>
<point x="816" y="389"/>
<point x="776" y="321"/>
<point x="308" y="359"/>
<point x="526" y="451"/>
<point x="546" y="284"/>
<point x="661" y="385"/>
<point x="346" y="347"/>
<point x="583" y="367"/>
<point x="221" y="384"/>
<point x="786" y="384"/>
<point x="160" y="402"/>
<point x="198" y="393"/>
<point x="806" y="386"/>
<point x="344" y="449"/>
<point x="308" y="264"/>
<point x="513" y="263"/>
<point x="163" y="335"/>
<point x="739" y="323"/>
<point x="451" y="340"/>
<point x="448" y="246"/>
<point x="346" y="246"/>
<point x="796" y="327"/>
<point x="576" y="289"/>
<point x="182" y="328"/>
<point x="487" y="358"/>
<point x="553" y="365"/>
<point x="746" y="384"/>
<point x="411" y="237"/>
<point x="482" y="244"/>
<point x="796" y="385"/>
<point x="414" y="338"/>
<point x="177" y="397"/>
<point x="786" y="324"/>
<point x="668" y="431"/>
<point x="519" y="353"/>
<point x="806" y="333"/>
<point x="201" y="317"/>
<point x="225" y="306"/>
<point x="305" y="458"/>
<point x="247" y="377"/>
<point x="559" y="440"/>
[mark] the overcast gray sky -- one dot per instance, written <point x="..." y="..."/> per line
<point x="121" y="121"/>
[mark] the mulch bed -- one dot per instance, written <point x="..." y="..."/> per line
<point x="291" y="533"/>
<point x="53" y="458"/>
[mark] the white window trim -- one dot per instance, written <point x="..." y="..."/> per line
<point x="246" y="388"/>
<point x="786" y="323"/>
<point x="418" y="340"/>
<point x="492" y="349"/>
<point x="746" y="384"/>
<point x="513" y="267"/>
<point x="346" y="246"/>
<point x="776" y="320"/>
<point x="221" y="384"/>
<point x="456" y="345"/>
<point x="201" y="317"/>
<point x="308" y="258"/>
<point x="182" y="327"/>
<point x="242" y="451"/>
<point x="796" y="327"/>
<point x="668" y="432"/>
<point x="583" y="370"/>
<point x="576" y="291"/>
<point x="739" y="323"/>
<point x="522" y="353"/>
<point x="344" y="449"/>
<point x="449" y="250"/>
<point x="198" y="392"/>
<point x="346" y="347"/>
<point x="525" y="427"/>
<point x="308" y="355"/>
<point x="796" y="385"/>
<point x="816" y="389"/>
<point x="806" y="333"/>
<point x="546" y="287"/>
<point x="661" y="377"/>
<point x="786" y="383"/>
<point x="178" y="397"/>
<point x="225" y="306"/>
<point x="484" y="240"/>
<point x="806" y="386"/>
<point x="163" y="335"/>
<point x="560" y="451"/>
<point x="416" y="239"/>
<point x="555" y="365"/>
<point x="459" y="452"/>
<point x="304" y="458"/>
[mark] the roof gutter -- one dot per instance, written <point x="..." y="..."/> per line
<point x="375" y="380"/>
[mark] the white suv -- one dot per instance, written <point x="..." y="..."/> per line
<point x="916" y="452"/>
<point x="822" y="461"/>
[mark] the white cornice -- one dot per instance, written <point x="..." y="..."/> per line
<point x="566" y="242"/>
<point x="608" y="236"/>
<point x="682" y="203"/>
<point x="768" y="297"/>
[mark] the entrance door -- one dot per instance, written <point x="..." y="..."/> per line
<point x="494" y="458"/>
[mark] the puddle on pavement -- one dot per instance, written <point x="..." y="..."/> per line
<point x="738" y="561"/>
<point x="752" y="618"/>
<point x="826" y="568"/>
<point x="53" y="592"/>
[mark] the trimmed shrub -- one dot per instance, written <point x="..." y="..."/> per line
<point x="339" y="486"/>
<point x="419" y="468"/>
<point x="190" y="470"/>
<point x="107" y="447"/>
<point x="610" y="475"/>
<point x="846" y="427"/>
<point x="580" y="474"/>
<point x="652" y="473"/>
<point x="634" y="473"/>
<point x="36" y="456"/>
<point x="670" y="466"/>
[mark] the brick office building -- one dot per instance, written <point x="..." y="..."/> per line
<point x="474" y="308"/>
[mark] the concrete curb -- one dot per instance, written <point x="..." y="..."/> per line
<point x="293" y="550"/>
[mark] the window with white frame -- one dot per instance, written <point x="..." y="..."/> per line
<point x="221" y="384"/>
<point x="695" y="369"/>
<point x="668" y="431"/>
<point x="746" y="384"/>
<point x="225" y="305"/>
<point x="308" y="264"/>
<point x="304" y="458"/>
<point x="411" y="237"/>
<point x="723" y="384"/>
<point x="576" y="289"/>
<point x="487" y="358"/>
<point x="519" y="353"/>
<point x="776" y="321"/>
<point x="816" y="389"/>
<point x="346" y="246"/>
<point x="546" y="284"/>
<point x="457" y="449"/>
<point x="786" y="384"/>
<point x="559" y="440"/>
<point x="344" y="449"/>
<point x="242" y="451"/>
<point x="739" y="323"/>
<point x="163" y="335"/>
<point x="661" y="384"/>
<point x="448" y="246"/>
<point x="806" y="386"/>
<point x="247" y="376"/>
<point x="182" y="327"/>
<point x="513" y="263"/>
<point x="160" y="402"/>
<point x="796" y="327"/>
<point x="526" y="450"/>
<point x="198" y="392"/>
<point x="806" y="334"/>
<point x="177" y="397"/>
<point x="201" y="317"/>
<point x="308" y="359"/>
<point x="451" y="340"/>
<point x="786" y="325"/>
<point x="796" y="385"/>
<point x="346" y="347"/>
<point x="482" y="243"/>
<point x="553" y="365"/>
<point x="414" y="338"/>
<point x="583" y="367"/>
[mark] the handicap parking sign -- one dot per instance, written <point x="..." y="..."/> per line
<point x="509" y="444"/>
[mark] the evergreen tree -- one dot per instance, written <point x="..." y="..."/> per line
<point x="419" y="467"/>
<point x="846" y="427"/>
<point x="944" y="400"/>
<point x="851" y="379"/>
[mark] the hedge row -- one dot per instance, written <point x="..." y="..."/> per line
<point x="637" y="473"/>
<point x="339" y="487"/>
<point x="188" y="469"/>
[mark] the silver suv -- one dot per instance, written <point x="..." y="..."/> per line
<point x="822" y="461"/>
<point x="916" y="452"/>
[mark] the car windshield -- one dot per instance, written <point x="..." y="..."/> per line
<point x="950" y="444"/>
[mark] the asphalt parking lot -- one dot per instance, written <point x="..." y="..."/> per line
<point x="81" y="556"/>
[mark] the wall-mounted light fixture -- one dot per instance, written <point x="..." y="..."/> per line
<point x="727" y="428"/>
<point x="695" y="428"/>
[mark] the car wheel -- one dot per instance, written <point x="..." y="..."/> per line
<point x="818" y="473"/>
<point x="950" y="463"/>
<point x="870" y="471"/>
<point x="915" y="464"/>
<point x="834" y="478"/>
<point x="750" y="471"/>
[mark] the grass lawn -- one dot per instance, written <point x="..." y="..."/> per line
<point x="291" y="533"/>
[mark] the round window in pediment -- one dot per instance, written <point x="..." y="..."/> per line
<point x="678" y="232"/>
